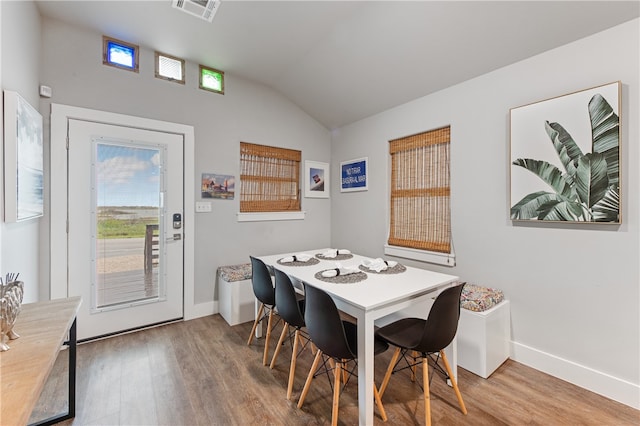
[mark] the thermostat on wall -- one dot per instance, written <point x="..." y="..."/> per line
<point x="45" y="91"/>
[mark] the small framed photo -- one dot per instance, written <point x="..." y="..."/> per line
<point x="316" y="176"/>
<point x="354" y="175"/>
<point x="218" y="186"/>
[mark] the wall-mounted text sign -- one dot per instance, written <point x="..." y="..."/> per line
<point x="354" y="175"/>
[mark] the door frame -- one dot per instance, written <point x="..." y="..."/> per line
<point x="60" y="115"/>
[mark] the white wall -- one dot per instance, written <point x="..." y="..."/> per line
<point x="574" y="290"/>
<point x="72" y="67"/>
<point x="20" y="242"/>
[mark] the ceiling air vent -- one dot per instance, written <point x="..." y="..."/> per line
<point x="204" y="9"/>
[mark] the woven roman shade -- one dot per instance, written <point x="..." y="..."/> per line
<point x="270" y="178"/>
<point x="420" y="193"/>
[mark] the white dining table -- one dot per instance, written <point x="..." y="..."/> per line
<point x="377" y="296"/>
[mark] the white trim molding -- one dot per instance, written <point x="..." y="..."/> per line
<point x="60" y="114"/>
<point x="596" y="381"/>
<point x="267" y="216"/>
<point x="446" y="259"/>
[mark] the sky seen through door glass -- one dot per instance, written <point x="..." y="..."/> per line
<point x="127" y="176"/>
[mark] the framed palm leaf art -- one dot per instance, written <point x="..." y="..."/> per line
<point x="565" y="158"/>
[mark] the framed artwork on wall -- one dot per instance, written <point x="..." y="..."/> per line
<point x="354" y="175"/>
<point x="316" y="177"/>
<point x="217" y="186"/>
<point x="23" y="160"/>
<point x="565" y="158"/>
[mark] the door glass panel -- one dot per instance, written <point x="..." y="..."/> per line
<point x="127" y="221"/>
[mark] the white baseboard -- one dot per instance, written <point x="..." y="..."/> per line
<point x="596" y="381"/>
<point x="200" y="310"/>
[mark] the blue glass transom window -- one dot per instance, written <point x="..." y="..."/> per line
<point x="120" y="54"/>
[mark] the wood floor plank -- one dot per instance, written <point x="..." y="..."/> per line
<point x="201" y="372"/>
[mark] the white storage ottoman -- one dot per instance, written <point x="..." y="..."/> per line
<point x="484" y="335"/>
<point x="236" y="299"/>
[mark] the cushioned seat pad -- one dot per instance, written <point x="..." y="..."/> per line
<point x="478" y="299"/>
<point x="233" y="273"/>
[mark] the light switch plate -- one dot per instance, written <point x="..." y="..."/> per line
<point x="203" y="207"/>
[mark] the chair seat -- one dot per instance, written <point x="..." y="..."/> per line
<point x="351" y="331"/>
<point x="404" y="333"/>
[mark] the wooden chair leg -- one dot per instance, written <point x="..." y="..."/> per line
<point x="387" y="376"/>
<point x="427" y="399"/>
<point x="255" y="324"/>
<point x="445" y="361"/>
<point x="285" y="331"/>
<point x="307" y="384"/>
<point x="414" y="367"/>
<point x="266" y="339"/>
<point x="292" y="367"/>
<point x="332" y="363"/>
<point x="377" y="396"/>
<point x="337" y="373"/>
<point x="301" y="342"/>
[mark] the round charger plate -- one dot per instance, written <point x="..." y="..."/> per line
<point x="337" y="258"/>
<point x="398" y="269"/>
<point x="342" y="279"/>
<point x="312" y="261"/>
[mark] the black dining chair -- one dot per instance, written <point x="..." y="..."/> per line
<point x="264" y="291"/>
<point x="337" y="343"/>
<point x="290" y="305"/>
<point x="417" y="340"/>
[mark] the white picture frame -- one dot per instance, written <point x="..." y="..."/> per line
<point x="23" y="160"/>
<point x="354" y="175"/>
<point x="316" y="179"/>
<point x="565" y="159"/>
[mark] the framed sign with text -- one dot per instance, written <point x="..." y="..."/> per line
<point x="354" y="175"/>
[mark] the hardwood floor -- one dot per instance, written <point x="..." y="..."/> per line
<point x="201" y="372"/>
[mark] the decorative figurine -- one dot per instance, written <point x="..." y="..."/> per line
<point x="10" y="304"/>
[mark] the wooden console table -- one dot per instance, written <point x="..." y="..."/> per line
<point x="43" y="328"/>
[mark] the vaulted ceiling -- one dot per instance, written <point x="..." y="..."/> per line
<point x="342" y="61"/>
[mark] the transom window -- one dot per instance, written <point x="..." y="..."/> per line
<point x="120" y="54"/>
<point x="211" y="79"/>
<point x="420" y="215"/>
<point x="269" y="178"/>
<point x="169" y="68"/>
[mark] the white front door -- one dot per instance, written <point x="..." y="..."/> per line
<point x="125" y="226"/>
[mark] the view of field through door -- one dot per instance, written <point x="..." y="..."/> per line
<point x="127" y="219"/>
<point x="125" y="239"/>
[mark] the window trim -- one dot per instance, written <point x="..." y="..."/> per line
<point x="105" y="54"/>
<point x="204" y="67"/>
<point x="157" y="56"/>
<point x="416" y="253"/>
<point x="446" y="259"/>
<point x="270" y="170"/>
<point x="270" y="216"/>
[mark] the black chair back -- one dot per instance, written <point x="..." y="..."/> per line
<point x="261" y="282"/>
<point x="442" y="322"/>
<point x="324" y="324"/>
<point x="286" y="300"/>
